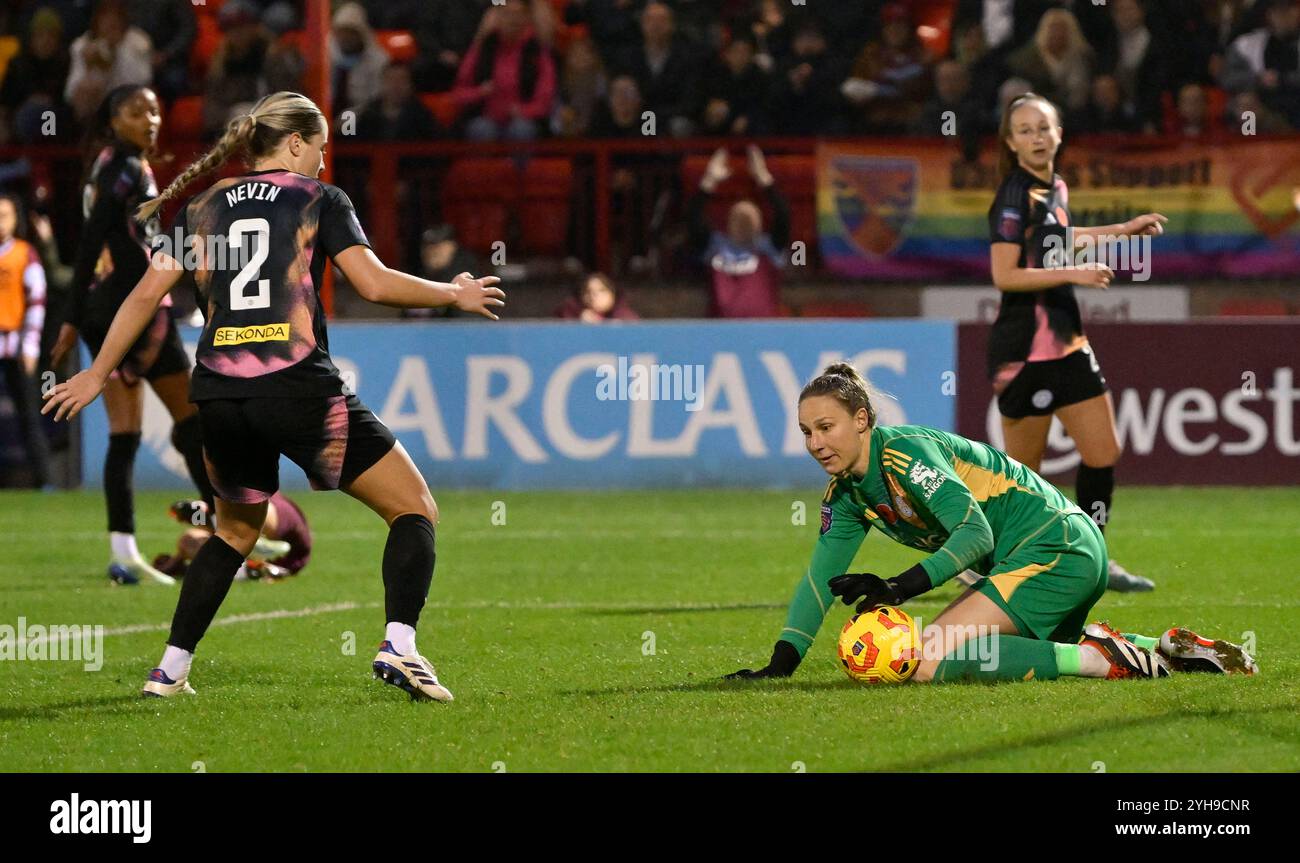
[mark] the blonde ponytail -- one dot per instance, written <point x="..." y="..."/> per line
<point x="256" y="133"/>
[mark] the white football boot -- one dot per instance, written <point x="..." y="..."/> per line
<point x="411" y="673"/>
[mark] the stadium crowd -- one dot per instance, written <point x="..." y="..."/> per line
<point x="421" y="69"/>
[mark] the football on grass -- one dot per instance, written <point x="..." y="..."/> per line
<point x="880" y="646"/>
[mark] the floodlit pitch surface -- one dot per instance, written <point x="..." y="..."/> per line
<point x="589" y="632"/>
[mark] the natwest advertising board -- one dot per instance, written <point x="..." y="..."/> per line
<point x="1209" y="402"/>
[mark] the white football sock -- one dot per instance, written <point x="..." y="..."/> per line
<point x="401" y="636"/>
<point x="176" y="662"/>
<point x="123" y="546"/>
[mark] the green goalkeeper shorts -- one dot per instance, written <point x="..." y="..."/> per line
<point x="1048" y="585"/>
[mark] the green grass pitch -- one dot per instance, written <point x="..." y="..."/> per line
<point x="543" y="628"/>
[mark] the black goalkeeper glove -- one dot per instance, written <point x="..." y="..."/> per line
<point x="875" y="591"/>
<point x="785" y="659"/>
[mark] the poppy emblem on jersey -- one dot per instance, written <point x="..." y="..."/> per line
<point x="874" y="200"/>
<point x="925" y="477"/>
<point x="888" y="514"/>
<point x="827" y="517"/>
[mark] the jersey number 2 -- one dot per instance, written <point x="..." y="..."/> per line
<point x="239" y="301"/>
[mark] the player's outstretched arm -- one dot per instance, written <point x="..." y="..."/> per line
<point x="841" y="537"/>
<point x="1008" y="275"/>
<point x="1145" y="225"/>
<point x="69" y="397"/>
<point x="388" y="287"/>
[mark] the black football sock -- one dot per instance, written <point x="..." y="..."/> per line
<point x="1093" y="486"/>
<point x="408" y="568"/>
<point x="119" y="472"/>
<point x="206" y="584"/>
<point x="187" y="437"/>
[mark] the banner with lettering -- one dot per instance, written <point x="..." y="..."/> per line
<point x="570" y="405"/>
<point x="916" y="209"/>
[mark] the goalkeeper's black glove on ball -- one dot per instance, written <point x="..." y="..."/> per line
<point x="785" y="659"/>
<point x="875" y="591"/>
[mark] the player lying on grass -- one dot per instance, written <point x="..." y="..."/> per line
<point x="971" y="506"/>
<point x="282" y="549"/>
<point x="264" y="380"/>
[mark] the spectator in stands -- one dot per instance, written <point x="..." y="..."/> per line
<point x="442" y="258"/>
<point x="172" y="29"/>
<point x="889" y="79"/>
<point x="612" y="24"/>
<point x="667" y="69"/>
<point x="952" y="110"/>
<point x="109" y="54"/>
<point x="443" y="32"/>
<point x="285" y="64"/>
<point x="507" y="81"/>
<point x="22" y="316"/>
<point x="745" y="262"/>
<point x="806" y="96"/>
<point x="848" y="26"/>
<point x="985" y="70"/>
<point x="736" y="92"/>
<point x="398" y="114"/>
<point x="1192" y="112"/>
<point x="357" y="59"/>
<point x="1106" y="110"/>
<point x="597" y="301"/>
<point x="773" y="33"/>
<point x="1266" y="61"/>
<point x="1057" y="62"/>
<point x="583" y="88"/>
<point x="1138" y="61"/>
<point x="34" y="82"/>
<point x="392" y="14"/>
<point x="620" y="115"/>
<point x="237" y="72"/>
<point x="1004" y="24"/>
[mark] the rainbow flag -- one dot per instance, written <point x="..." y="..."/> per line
<point x="915" y="209"/>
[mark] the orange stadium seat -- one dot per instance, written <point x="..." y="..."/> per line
<point x="399" y="44"/>
<point x="442" y="106"/>
<point x="548" y="188"/>
<point x="478" y="197"/>
<point x="184" y="120"/>
<point x="205" y="44"/>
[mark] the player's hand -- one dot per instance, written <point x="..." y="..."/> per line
<point x="68" y="398"/>
<point x="479" y="296"/>
<point x="873" y="590"/>
<point x="1094" y="275"/>
<point x="717" y="171"/>
<point x="1146" y="225"/>
<point x="785" y="659"/>
<point x="758" y="167"/>
<point x="63" y="345"/>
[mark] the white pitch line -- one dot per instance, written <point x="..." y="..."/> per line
<point x="251" y="617"/>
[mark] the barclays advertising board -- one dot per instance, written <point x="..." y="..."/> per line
<point x="569" y="405"/>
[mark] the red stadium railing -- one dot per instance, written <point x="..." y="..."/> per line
<point x="601" y="201"/>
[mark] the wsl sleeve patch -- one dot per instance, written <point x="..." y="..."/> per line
<point x="1009" y="224"/>
<point x="827" y="516"/>
<point x="926" y="478"/>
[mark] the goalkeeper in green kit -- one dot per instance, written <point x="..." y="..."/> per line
<point x="971" y="507"/>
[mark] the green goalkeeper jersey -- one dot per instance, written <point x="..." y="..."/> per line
<point x="965" y="502"/>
